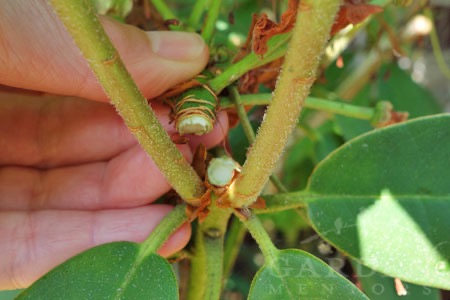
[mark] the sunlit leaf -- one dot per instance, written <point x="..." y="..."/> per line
<point x="384" y="199"/>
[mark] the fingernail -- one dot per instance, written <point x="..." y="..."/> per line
<point x="177" y="45"/>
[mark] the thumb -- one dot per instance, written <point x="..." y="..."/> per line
<point x="37" y="53"/>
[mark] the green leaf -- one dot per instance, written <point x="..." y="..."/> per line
<point x="298" y="275"/>
<point x="380" y="287"/>
<point x="110" y="271"/>
<point x="384" y="199"/>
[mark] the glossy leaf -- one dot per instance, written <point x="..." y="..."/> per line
<point x="110" y="271"/>
<point x="298" y="275"/>
<point x="384" y="198"/>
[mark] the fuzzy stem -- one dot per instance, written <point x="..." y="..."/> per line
<point x="248" y="130"/>
<point x="260" y="235"/>
<point x="210" y="25"/>
<point x="277" y="48"/>
<point x="309" y="39"/>
<point x="82" y="23"/>
<point x="171" y="222"/>
<point x="205" y="280"/>
<point x="334" y="107"/>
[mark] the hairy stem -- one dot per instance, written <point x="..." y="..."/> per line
<point x="309" y="39"/>
<point x="82" y="23"/>
<point x="248" y="130"/>
<point x="205" y="280"/>
<point x="260" y="235"/>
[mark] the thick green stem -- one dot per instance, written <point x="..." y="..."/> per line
<point x="260" y="235"/>
<point x="309" y="39"/>
<point x="171" y="222"/>
<point x="82" y="23"/>
<point x="277" y="48"/>
<point x="206" y="278"/>
<point x="248" y="130"/>
<point x="210" y="25"/>
<point x="334" y="107"/>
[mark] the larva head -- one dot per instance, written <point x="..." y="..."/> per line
<point x="194" y="124"/>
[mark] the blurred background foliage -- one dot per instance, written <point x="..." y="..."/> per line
<point x="388" y="57"/>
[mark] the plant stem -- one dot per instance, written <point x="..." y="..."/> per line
<point x="248" y="130"/>
<point x="277" y="48"/>
<point x="334" y="107"/>
<point x="205" y="280"/>
<point x="171" y="222"/>
<point x="309" y="39"/>
<point x="436" y="45"/>
<point x="82" y="23"/>
<point x="285" y="201"/>
<point x="235" y="98"/>
<point x="163" y="9"/>
<point x="197" y="12"/>
<point x="277" y="183"/>
<point x="210" y="25"/>
<point x="260" y="235"/>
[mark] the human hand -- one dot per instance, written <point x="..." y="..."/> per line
<point x="71" y="175"/>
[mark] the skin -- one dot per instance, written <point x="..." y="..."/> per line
<point x="71" y="175"/>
